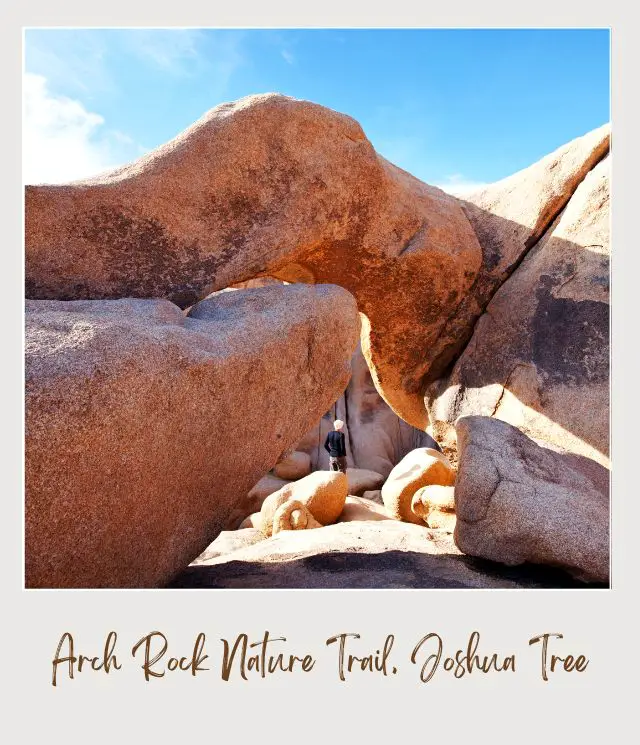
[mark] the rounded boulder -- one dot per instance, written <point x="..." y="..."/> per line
<point x="359" y="508"/>
<point x="296" y="465"/>
<point x="421" y="467"/>
<point x="362" y="480"/>
<point x="323" y="493"/>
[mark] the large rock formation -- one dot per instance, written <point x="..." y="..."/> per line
<point x="516" y="501"/>
<point x="496" y="305"/>
<point x="144" y="428"/>
<point x="539" y="355"/>
<point x="509" y="217"/>
<point x="268" y="185"/>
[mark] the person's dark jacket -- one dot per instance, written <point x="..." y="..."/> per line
<point x="334" y="444"/>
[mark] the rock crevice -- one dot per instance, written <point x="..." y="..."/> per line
<point x="541" y="346"/>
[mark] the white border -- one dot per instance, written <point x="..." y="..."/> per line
<point x="502" y="709"/>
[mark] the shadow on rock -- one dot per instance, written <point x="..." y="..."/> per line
<point x="388" y="570"/>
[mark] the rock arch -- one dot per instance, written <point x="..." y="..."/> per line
<point x="268" y="185"/>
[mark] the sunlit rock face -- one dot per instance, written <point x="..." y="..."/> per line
<point x="518" y="502"/>
<point x="267" y="185"/>
<point x="539" y="355"/>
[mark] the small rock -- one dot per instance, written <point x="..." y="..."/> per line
<point x="361" y="480"/>
<point x="359" y="508"/>
<point x="294" y="466"/>
<point x="374" y="495"/>
<point x="322" y="492"/>
<point x="254" y="520"/>
<point x="293" y="515"/>
<point x="421" y="467"/>
<point x="435" y="505"/>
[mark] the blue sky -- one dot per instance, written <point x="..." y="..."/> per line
<point x="454" y="107"/>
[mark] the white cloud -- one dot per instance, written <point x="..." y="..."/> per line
<point x="406" y="151"/>
<point x="90" y="61"/>
<point x="62" y="141"/>
<point x="287" y="56"/>
<point x="71" y="59"/>
<point x="172" y="50"/>
<point x="224" y="58"/>
<point x="458" y="185"/>
<point x="65" y="138"/>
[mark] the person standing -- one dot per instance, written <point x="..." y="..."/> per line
<point x="335" y="446"/>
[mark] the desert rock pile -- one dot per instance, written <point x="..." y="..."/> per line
<point x="192" y="332"/>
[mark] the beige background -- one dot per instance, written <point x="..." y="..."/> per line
<point x="498" y="707"/>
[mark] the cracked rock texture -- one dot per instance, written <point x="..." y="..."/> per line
<point x="539" y="355"/>
<point x="519" y="502"/>
<point x="144" y="427"/>
<point x="510" y="216"/>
